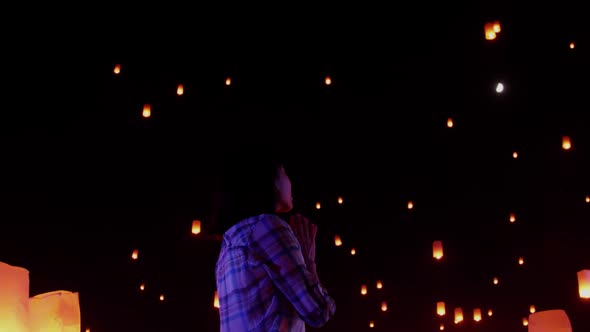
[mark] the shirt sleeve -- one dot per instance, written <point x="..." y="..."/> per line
<point x="276" y="244"/>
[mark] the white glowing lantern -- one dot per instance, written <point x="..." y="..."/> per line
<point x="383" y="306"/>
<point x="489" y="31"/>
<point x="228" y="81"/>
<point x="318" y="206"/>
<point x="441" y="308"/>
<point x="117" y="69"/>
<point x="14" y="298"/>
<point x="476" y="314"/>
<point x="363" y="289"/>
<point x="135" y="254"/>
<point x="57" y="311"/>
<point x="162" y="297"/>
<point x="514" y="154"/>
<point x="450" y="123"/>
<point x="532" y="309"/>
<point x="458" y="315"/>
<point x="328" y="80"/>
<point x="525" y="321"/>
<point x="499" y="88"/>
<point x="147" y="111"/>
<point x="340" y="200"/>
<point x="216" y="300"/>
<point x="337" y="240"/>
<point x="566" y="143"/>
<point x="437" y="249"/>
<point x="353" y="251"/>
<point x="379" y="284"/>
<point x="196" y="227"/>
<point x="180" y="89"/>
<point x="584" y="284"/>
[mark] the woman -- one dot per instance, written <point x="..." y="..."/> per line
<point x="266" y="274"/>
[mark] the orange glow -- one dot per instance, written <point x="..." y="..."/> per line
<point x="566" y="143"/>
<point x="458" y="315"/>
<point x="196" y="227"/>
<point x="410" y="205"/>
<point x="450" y="123"/>
<point x="441" y="327"/>
<point x="135" y="254"/>
<point x="437" y="249"/>
<point x="216" y="300"/>
<point x="572" y="45"/>
<point x="142" y="287"/>
<point x="147" y="111"/>
<point x="584" y="284"/>
<point x="379" y="284"/>
<point x="318" y="205"/>
<point x="514" y="154"/>
<point x="14" y="287"/>
<point x="353" y="251"/>
<point x="441" y="309"/>
<point x="162" y="297"/>
<point x="88" y="330"/>
<point x="55" y="311"/>
<point x="340" y="200"/>
<point x="520" y="261"/>
<point x="532" y="309"/>
<point x="364" y="290"/>
<point x="525" y="321"/>
<point x="228" y="81"/>
<point x="180" y="90"/>
<point x="489" y="31"/>
<point x="490" y="312"/>
<point x="328" y="80"/>
<point x="117" y="69"/>
<point x="496" y="27"/>
<point x="496" y="280"/>
<point x="383" y="306"/>
<point x="587" y="199"/>
<point x="476" y="314"/>
<point x="512" y="217"/>
<point x="371" y="324"/>
<point x="337" y="240"/>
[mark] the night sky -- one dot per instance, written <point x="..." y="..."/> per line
<point x="86" y="179"/>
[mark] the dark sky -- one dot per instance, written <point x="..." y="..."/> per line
<point x="86" y="179"/>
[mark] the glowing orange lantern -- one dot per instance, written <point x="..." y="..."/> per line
<point x="14" y="298"/>
<point x="532" y="309"/>
<point x="512" y="218"/>
<point x="364" y="290"/>
<point x="196" y="227"/>
<point x="525" y="321"/>
<point x="440" y="308"/>
<point x="180" y="89"/>
<point x="520" y="261"/>
<point x="318" y="205"/>
<point x="371" y="324"/>
<point x="450" y="123"/>
<point x="489" y="31"/>
<point x="437" y="249"/>
<point x="496" y="26"/>
<point x="117" y="69"/>
<point x="57" y="311"/>
<point x="572" y="45"/>
<point x="383" y="306"/>
<point x="514" y="154"/>
<point x="337" y="240"/>
<point x="379" y="284"/>
<point x="135" y="254"/>
<point x="476" y="314"/>
<point x="458" y="315"/>
<point x="228" y="81"/>
<point x="587" y="199"/>
<point x="353" y="251"/>
<point x="340" y="200"/>
<point x="490" y="312"/>
<point x="147" y="111"/>
<point x="496" y="281"/>
<point x="566" y="143"/>
<point x="410" y="205"/>
<point x="328" y="80"/>
<point x="142" y="287"/>
<point x="216" y="300"/>
<point x="441" y="327"/>
<point x="162" y="297"/>
<point x="584" y="284"/>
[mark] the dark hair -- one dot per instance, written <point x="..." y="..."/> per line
<point x="246" y="184"/>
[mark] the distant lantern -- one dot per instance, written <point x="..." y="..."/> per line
<point x="142" y="287"/>
<point x="495" y="281"/>
<point x="532" y="309"/>
<point x="441" y="327"/>
<point x="566" y="143"/>
<point x="499" y="88"/>
<point x="180" y="89"/>
<point x="514" y="154"/>
<point x="520" y="261"/>
<point x="363" y="289"/>
<point x="584" y="284"/>
<point x="337" y="240"/>
<point x="450" y="123"/>
<point x="216" y="300"/>
<point x="228" y="81"/>
<point x="441" y="309"/>
<point x="379" y="284"/>
<point x="572" y="45"/>
<point x="383" y="306"/>
<point x="458" y="315"/>
<point x="512" y="217"/>
<point x="490" y="33"/>
<point x="476" y="314"/>
<point x="117" y="69"/>
<point x="135" y="254"/>
<point x="328" y="80"/>
<point x="490" y="312"/>
<point x="196" y="227"/>
<point x="371" y="324"/>
<point x="162" y="297"/>
<point x="437" y="249"/>
<point x="587" y="199"/>
<point x="525" y="321"/>
<point x="147" y="111"/>
<point x="318" y="206"/>
<point x="410" y="205"/>
<point x="340" y="200"/>
<point x="88" y="330"/>
<point x="496" y="26"/>
<point x="353" y="251"/>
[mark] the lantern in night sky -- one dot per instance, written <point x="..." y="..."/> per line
<point x="441" y="308"/>
<point x="216" y="300"/>
<point x="549" y="321"/>
<point x="340" y="200"/>
<point x="458" y="315"/>
<point x="532" y="309"/>
<point x="489" y="31"/>
<point x="337" y="240"/>
<point x="228" y="81"/>
<point x="196" y="227"/>
<point x="383" y="306"/>
<point x="476" y="314"/>
<point x="584" y="284"/>
<point x="57" y="311"/>
<point x="147" y="111"/>
<point x="437" y="249"/>
<point x="180" y="89"/>
<point x="363" y="289"/>
<point x="117" y="69"/>
<point x="566" y="143"/>
<point x="328" y="80"/>
<point x="379" y="284"/>
<point x="14" y="298"/>
<point x="135" y="254"/>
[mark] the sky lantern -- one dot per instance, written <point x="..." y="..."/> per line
<point x="162" y="297"/>
<point x="337" y="240"/>
<point x="371" y="324"/>
<point x="499" y="87"/>
<point x="410" y="205"/>
<point x="14" y="298"/>
<point x="196" y="227"/>
<point x="318" y="206"/>
<point x="135" y="254"/>
<point x="490" y="312"/>
<point x="379" y="284"/>
<point x="117" y="69"/>
<point x="147" y="111"/>
<point x="437" y="249"/>
<point x="532" y="309"/>
<point x="383" y="306"/>
<point x="549" y="321"/>
<point x="216" y="300"/>
<point x="489" y="31"/>
<point x="328" y="80"/>
<point x="441" y="308"/>
<point x="56" y="311"/>
<point x="441" y="327"/>
<point x="450" y="123"/>
<point x="353" y="251"/>
<point x="458" y="315"/>
<point x="525" y="321"/>
<point x="340" y="200"/>
<point x="476" y="315"/>
<point x="228" y="81"/>
<point x="587" y="199"/>
<point x="363" y="289"/>
<point x="520" y="261"/>
<point x="180" y="89"/>
<point x="496" y="26"/>
<point x="142" y="286"/>
<point x="512" y="217"/>
<point x="514" y="154"/>
<point x="566" y="143"/>
<point x="572" y="45"/>
<point x="495" y="280"/>
<point x="584" y="284"/>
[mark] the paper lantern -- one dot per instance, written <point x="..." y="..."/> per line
<point x="532" y="309"/>
<point x="489" y="31"/>
<point x="441" y="327"/>
<point x="180" y="89"/>
<point x="337" y="240"/>
<point x="135" y="254"/>
<point x="117" y="69"/>
<point x="318" y="206"/>
<point x="549" y="321"/>
<point x="228" y="81"/>
<point x="340" y="200"/>
<point x="216" y="300"/>
<point x="14" y="298"/>
<point x="364" y="290"/>
<point x="353" y="251"/>
<point x="383" y="306"/>
<point x="458" y="315"/>
<point x="566" y="143"/>
<point x="328" y="80"/>
<point x="147" y="111"/>
<point x="196" y="227"/>
<point x="584" y="284"/>
<point x="57" y="311"/>
<point x="437" y="249"/>
<point x="379" y="284"/>
<point x="441" y="308"/>
<point x="525" y="321"/>
<point x="490" y="312"/>
<point x="477" y="314"/>
<point x="450" y="123"/>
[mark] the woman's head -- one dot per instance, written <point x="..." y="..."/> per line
<point x="253" y="181"/>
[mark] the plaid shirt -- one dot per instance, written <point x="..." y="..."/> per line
<point x="263" y="283"/>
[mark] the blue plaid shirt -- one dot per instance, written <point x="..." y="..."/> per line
<point x="263" y="283"/>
